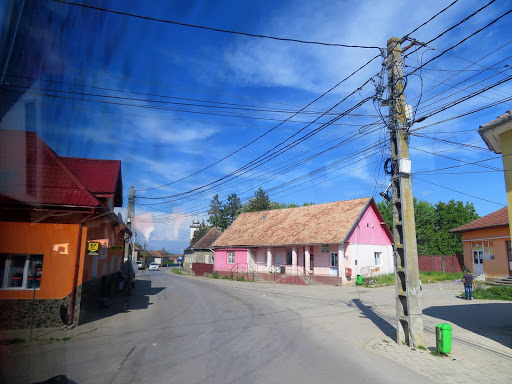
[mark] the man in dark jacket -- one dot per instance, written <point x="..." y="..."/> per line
<point x="468" y="280"/>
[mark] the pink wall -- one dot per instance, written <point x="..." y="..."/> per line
<point x="221" y="259"/>
<point x="366" y="234"/>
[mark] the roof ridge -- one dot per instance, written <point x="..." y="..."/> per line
<point x="312" y="205"/>
<point x="75" y="179"/>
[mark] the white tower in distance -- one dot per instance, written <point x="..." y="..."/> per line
<point x="194" y="227"/>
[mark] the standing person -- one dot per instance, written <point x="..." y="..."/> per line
<point x="468" y="280"/>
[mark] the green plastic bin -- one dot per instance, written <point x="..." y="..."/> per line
<point x="359" y="280"/>
<point x="444" y="338"/>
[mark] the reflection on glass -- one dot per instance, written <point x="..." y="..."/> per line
<point x="16" y="271"/>
<point x="35" y="271"/>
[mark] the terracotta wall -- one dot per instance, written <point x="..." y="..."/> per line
<point x="57" y="243"/>
<point x="498" y="267"/>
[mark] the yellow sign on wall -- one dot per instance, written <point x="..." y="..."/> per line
<point x="93" y="247"/>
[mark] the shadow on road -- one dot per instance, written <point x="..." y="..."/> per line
<point x="93" y="309"/>
<point x="491" y="320"/>
<point x="382" y="324"/>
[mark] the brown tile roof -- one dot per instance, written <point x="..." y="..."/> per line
<point x="495" y="219"/>
<point x="316" y="224"/>
<point x="208" y="239"/>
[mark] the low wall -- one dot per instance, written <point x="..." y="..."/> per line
<point x="40" y="313"/>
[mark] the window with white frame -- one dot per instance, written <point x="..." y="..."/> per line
<point x="20" y="271"/>
<point x="334" y="259"/>
<point x="231" y="257"/>
<point x="377" y="257"/>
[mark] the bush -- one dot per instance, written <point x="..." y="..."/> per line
<point x="496" y="292"/>
<point x="215" y="275"/>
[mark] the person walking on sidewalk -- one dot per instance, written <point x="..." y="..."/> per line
<point x="468" y="280"/>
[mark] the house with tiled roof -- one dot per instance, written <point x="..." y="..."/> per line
<point x="487" y="246"/>
<point x="329" y="243"/>
<point x="199" y="256"/>
<point x="61" y="241"/>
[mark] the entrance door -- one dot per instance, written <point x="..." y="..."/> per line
<point x="478" y="259"/>
<point x="312" y="263"/>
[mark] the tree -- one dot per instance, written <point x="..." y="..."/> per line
<point x="231" y="209"/>
<point x="216" y="215"/>
<point x="200" y="232"/>
<point x="386" y="209"/>
<point x="434" y="223"/>
<point x="450" y="216"/>
<point x="260" y="202"/>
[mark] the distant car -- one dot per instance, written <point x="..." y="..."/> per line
<point x="141" y="265"/>
<point x="154" y="267"/>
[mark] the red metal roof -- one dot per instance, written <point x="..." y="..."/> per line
<point x="498" y="218"/>
<point x="99" y="176"/>
<point x="33" y="174"/>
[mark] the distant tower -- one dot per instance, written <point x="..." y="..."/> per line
<point x="194" y="227"/>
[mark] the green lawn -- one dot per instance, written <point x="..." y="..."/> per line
<point x="426" y="278"/>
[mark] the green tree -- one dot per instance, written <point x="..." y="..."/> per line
<point x="433" y="224"/>
<point x="231" y="209"/>
<point x="450" y="216"/>
<point x="260" y="202"/>
<point x="216" y="218"/>
<point x="386" y="209"/>
<point x="426" y="235"/>
<point x="200" y="232"/>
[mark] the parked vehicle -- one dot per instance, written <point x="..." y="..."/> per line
<point x="154" y="267"/>
<point x="141" y="265"/>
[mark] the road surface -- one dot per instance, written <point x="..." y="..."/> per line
<point x="181" y="329"/>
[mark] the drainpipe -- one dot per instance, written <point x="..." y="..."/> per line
<point x="77" y="267"/>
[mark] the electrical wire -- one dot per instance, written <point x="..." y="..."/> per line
<point x="148" y="18"/>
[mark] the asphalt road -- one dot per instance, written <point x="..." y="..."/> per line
<point x="189" y="330"/>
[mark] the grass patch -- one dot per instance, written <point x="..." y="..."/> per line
<point x="385" y="341"/>
<point x="215" y="275"/>
<point x="421" y="347"/>
<point x="435" y="276"/>
<point x="426" y="277"/>
<point x="176" y="271"/>
<point x="495" y="292"/>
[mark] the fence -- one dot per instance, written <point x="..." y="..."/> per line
<point x="201" y="268"/>
<point x="446" y="264"/>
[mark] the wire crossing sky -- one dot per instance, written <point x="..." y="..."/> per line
<point x="201" y="98"/>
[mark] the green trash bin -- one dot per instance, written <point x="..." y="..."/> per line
<point x="359" y="280"/>
<point x="444" y="338"/>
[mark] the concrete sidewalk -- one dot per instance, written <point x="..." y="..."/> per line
<point x="481" y="335"/>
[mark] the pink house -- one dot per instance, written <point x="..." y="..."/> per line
<point x="329" y="243"/>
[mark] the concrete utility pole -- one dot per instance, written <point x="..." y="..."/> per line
<point x="407" y="285"/>
<point x="127" y="254"/>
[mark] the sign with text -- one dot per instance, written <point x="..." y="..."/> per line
<point x="93" y="247"/>
<point x="325" y="248"/>
<point x="116" y="248"/>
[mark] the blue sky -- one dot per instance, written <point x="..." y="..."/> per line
<point x="176" y="99"/>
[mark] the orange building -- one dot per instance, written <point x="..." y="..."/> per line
<point x="60" y="242"/>
<point x="487" y="246"/>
